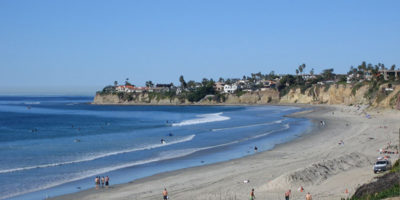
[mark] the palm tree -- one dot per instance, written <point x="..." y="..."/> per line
<point x="182" y="80"/>
<point x="302" y="67"/>
<point x="149" y="84"/>
<point x="115" y="83"/>
<point x="312" y="72"/>
<point x="297" y="71"/>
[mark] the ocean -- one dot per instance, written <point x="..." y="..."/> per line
<point x="51" y="146"/>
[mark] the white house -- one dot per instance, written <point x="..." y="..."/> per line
<point x="230" y="88"/>
<point x="125" y="88"/>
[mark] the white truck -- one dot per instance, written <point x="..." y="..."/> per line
<point x="382" y="165"/>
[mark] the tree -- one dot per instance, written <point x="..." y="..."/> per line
<point x="221" y="80"/>
<point x="127" y="82"/>
<point x="149" y="84"/>
<point x="312" y="72"/>
<point x="297" y="71"/>
<point x="204" y="81"/>
<point x="182" y="81"/>
<point x="191" y="84"/>
<point x="328" y="74"/>
<point x="115" y="83"/>
<point x="301" y="68"/>
<point x="393" y="67"/>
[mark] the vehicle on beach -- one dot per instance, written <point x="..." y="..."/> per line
<point x="382" y="165"/>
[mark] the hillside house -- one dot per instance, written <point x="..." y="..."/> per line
<point x="219" y="86"/>
<point x="390" y="73"/>
<point x="125" y="88"/>
<point x="230" y="88"/>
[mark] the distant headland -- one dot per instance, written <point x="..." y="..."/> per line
<point x="367" y="84"/>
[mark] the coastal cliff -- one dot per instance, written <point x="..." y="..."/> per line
<point x="335" y="94"/>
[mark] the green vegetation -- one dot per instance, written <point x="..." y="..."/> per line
<point x="356" y="87"/>
<point x="385" y="186"/>
<point x="364" y="74"/>
<point x="196" y="94"/>
<point x="396" y="166"/>
<point x="393" y="191"/>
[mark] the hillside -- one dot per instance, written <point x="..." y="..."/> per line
<point x="334" y="94"/>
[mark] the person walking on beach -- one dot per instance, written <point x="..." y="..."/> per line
<point x="252" y="196"/>
<point x="102" y="181"/>
<point x="165" y="194"/>
<point x="308" y="196"/>
<point x="287" y="194"/>
<point x="107" y="179"/>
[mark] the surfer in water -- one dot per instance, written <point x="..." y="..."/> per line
<point x="163" y="141"/>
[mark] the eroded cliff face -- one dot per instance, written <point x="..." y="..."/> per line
<point x="335" y="94"/>
<point x="138" y="99"/>
<point x="341" y="95"/>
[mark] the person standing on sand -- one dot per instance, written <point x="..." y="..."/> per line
<point x="252" y="196"/>
<point x="165" y="194"/>
<point x="96" y="181"/>
<point x="102" y="181"/>
<point x="308" y="196"/>
<point x="287" y="194"/>
<point x="106" y="180"/>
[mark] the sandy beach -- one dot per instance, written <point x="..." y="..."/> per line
<point x="316" y="161"/>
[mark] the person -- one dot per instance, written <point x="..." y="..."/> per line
<point x="162" y="141"/>
<point x="255" y="148"/>
<point x="287" y="194"/>
<point x="308" y="196"/>
<point x="96" y="181"/>
<point x="107" y="179"/>
<point x="165" y="194"/>
<point x="102" y="181"/>
<point x="252" y="196"/>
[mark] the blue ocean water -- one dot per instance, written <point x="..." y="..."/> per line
<point x="56" y="145"/>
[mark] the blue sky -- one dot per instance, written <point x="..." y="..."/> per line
<point x="77" y="47"/>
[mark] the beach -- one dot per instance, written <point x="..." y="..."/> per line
<point x="316" y="161"/>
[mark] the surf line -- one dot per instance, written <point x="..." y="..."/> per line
<point x="185" y="139"/>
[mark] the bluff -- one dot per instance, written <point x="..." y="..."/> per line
<point x="335" y="94"/>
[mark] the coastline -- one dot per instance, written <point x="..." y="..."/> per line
<point x="270" y="172"/>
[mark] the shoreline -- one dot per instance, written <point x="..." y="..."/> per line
<point x="228" y="176"/>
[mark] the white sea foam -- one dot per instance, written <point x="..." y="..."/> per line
<point x="162" y="156"/>
<point x="98" y="156"/>
<point x="246" y="126"/>
<point x="204" y="118"/>
<point x="32" y="103"/>
<point x="87" y="174"/>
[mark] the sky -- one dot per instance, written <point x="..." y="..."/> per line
<point x="74" y="47"/>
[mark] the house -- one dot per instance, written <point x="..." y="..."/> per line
<point x="230" y="88"/>
<point x="219" y="86"/>
<point x="390" y="73"/>
<point x="125" y="88"/>
<point x="308" y="76"/>
<point x="140" y="89"/>
<point x="163" y="87"/>
<point x="178" y="91"/>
